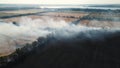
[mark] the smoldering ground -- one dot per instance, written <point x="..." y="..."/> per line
<point x="67" y="45"/>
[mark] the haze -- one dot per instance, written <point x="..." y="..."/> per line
<point x="60" y="2"/>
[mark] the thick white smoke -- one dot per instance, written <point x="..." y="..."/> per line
<point x="28" y="30"/>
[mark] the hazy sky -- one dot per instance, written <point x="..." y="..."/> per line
<point x="60" y="1"/>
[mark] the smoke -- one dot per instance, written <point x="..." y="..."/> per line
<point x="27" y="30"/>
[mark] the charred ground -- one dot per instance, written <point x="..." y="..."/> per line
<point x="80" y="51"/>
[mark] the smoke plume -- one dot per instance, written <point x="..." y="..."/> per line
<point x="27" y="30"/>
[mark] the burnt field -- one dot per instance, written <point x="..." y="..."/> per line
<point x="78" y="38"/>
<point x="93" y="49"/>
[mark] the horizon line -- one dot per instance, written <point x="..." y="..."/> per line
<point x="61" y="4"/>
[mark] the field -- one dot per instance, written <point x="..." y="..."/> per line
<point x="89" y="19"/>
<point x="62" y="32"/>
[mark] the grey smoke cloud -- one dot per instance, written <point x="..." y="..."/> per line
<point x="28" y="30"/>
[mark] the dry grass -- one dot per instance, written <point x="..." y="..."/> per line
<point x="6" y="49"/>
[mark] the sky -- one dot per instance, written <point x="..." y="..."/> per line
<point x="60" y="1"/>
